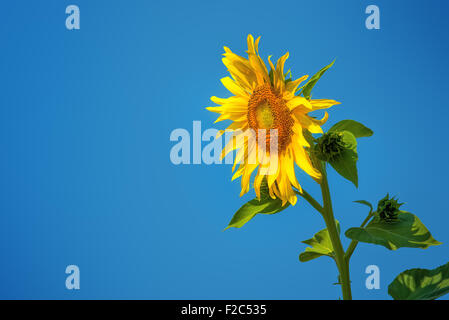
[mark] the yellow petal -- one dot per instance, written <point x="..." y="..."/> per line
<point x="280" y="72"/>
<point x="309" y="123"/>
<point x="237" y="100"/>
<point x="274" y="73"/>
<point x="239" y="172"/>
<point x="233" y="87"/>
<point x="323" y="103"/>
<point x="232" y="145"/>
<point x="256" y="62"/>
<point x="298" y="101"/>
<point x="298" y="136"/>
<point x="290" y="169"/>
<point x="272" y="176"/>
<point x="249" y="168"/>
<point x="303" y="161"/>
<point x="257" y="45"/>
<point x="239" y="117"/>
<point x="240" y="69"/>
<point x="250" y="41"/>
<point x="293" y="85"/>
<point x="257" y="183"/>
<point x="286" y="193"/>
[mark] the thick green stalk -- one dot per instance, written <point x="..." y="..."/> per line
<point x="328" y="214"/>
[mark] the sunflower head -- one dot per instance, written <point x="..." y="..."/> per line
<point x="266" y="103"/>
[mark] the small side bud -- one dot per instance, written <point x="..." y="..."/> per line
<point x="388" y="209"/>
<point x="329" y="147"/>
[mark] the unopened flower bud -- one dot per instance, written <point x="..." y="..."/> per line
<point x="330" y="146"/>
<point x="388" y="209"/>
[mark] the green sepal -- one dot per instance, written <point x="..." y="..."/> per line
<point x="420" y="284"/>
<point x="307" y="89"/>
<point x="320" y="245"/>
<point x="407" y="231"/>
<point x="356" y="128"/>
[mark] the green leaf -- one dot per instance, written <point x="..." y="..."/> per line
<point x="408" y="231"/>
<point x="366" y="203"/>
<point x="346" y="163"/>
<point x="266" y="205"/>
<point x="306" y="91"/>
<point x="356" y="128"/>
<point x="320" y="245"/>
<point x="420" y="284"/>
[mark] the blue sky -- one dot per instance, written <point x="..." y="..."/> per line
<point x="85" y="122"/>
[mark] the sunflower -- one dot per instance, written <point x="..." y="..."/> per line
<point x="265" y="101"/>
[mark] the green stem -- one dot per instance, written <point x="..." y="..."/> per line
<point x="328" y="215"/>
<point x="354" y="243"/>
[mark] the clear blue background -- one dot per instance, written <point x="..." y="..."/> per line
<point x="85" y="120"/>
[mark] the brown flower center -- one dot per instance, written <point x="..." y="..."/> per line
<point x="266" y="110"/>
